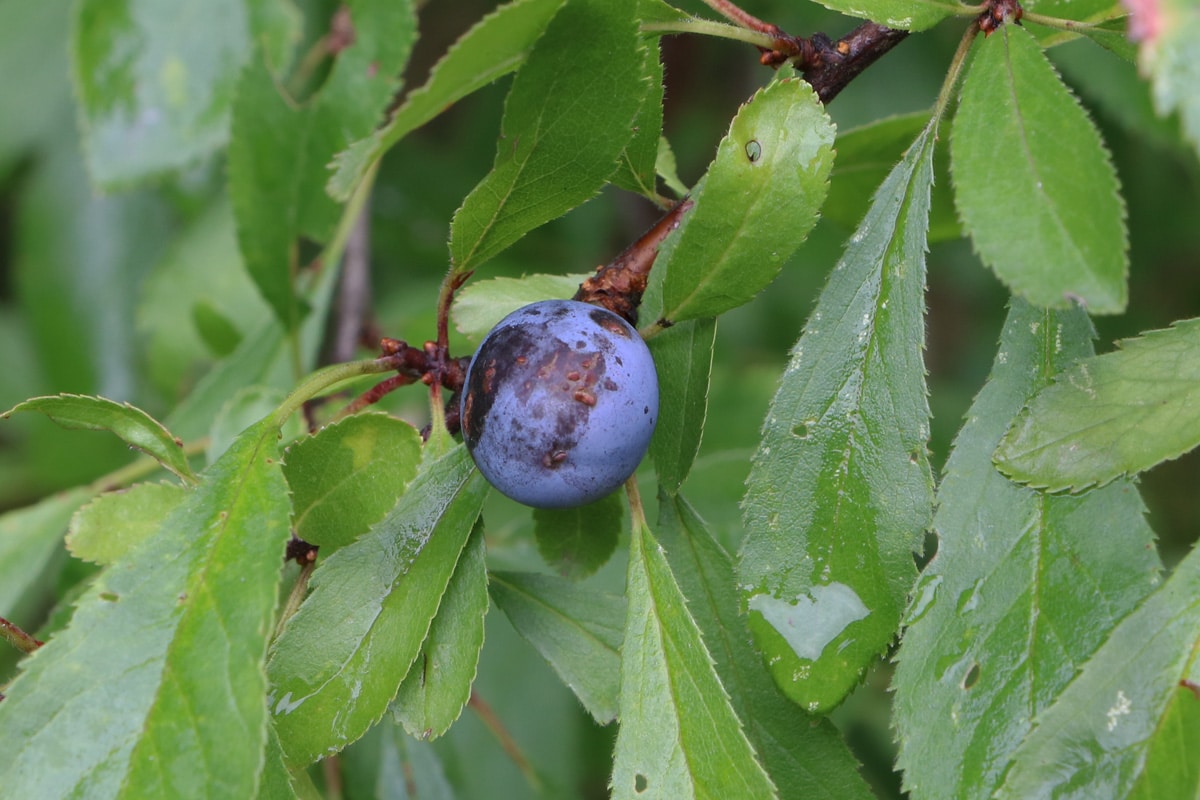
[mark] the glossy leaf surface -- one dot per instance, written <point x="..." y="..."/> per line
<point x="348" y="475"/>
<point x="576" y="629"/>
<point x="340" y="660"/>
<point x="840" y="494"/>
<point x="1023" y="588"/>
<point x="1129" y="724"/>
<point x="179" y="624"/>
<point x="804" y="755"/>
<point x="679" y="735"/>
<point x="134" y="426"/>
<point x="438" y="686"/>
<point x="481" y="304"/>
<point x="1111" y="415"/>
<point x="582" y="84"/>
<point x="1035" y="187"/>
<point x="753" y="208"/>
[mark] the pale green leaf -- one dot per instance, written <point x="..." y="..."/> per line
<point x="1110" y="415"/>
<point x="481" y="304"/>
<point x="125" y="701"/>
<point x="279" y="150"/>
<point x="348" y="475"/>
<point x="134" y="426"/>
<point x="683" y="357"/>
<point x="577" y="630"/>
<point x="340" y="659"/>
<point x="30" y="541"/>
<point x="840" y="493"/>
<point x="575" y="542"/>
<point x="753" y="208"/>
<point x="568" y="117"/>
<point x="1024" y="586"/>
<point x="679" y="737"/>
<point x="156" y="81"/>
<point x="804" y="755"/>
<point x="108" y="528"/>
<point x="438" y="686"/>
<point x="911" y="15"/>
<point x="1035" y="187"/>
<point x="492" y="48"/>
<point x="1129" y="725"/>
<point x="1169" y="33"/>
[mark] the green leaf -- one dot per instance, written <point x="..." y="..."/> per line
<point x="495" y="46"/>
<point x="1035" y="187"/>
<point x="577" y="630"/>
<point x="219" y="334"/>
<point x="636" y="167"/>
<point x="575" y="542"/>
<point x="840" y="494"/>
<point x="279" y="151"/>
<point x="115" y="523"/>
<point x="753" y="208"/>
<point x="866" y="155"/>
<point x="911" y="15"/>
<point x="582" y="84"/>
<point x="438" y="685"/>
<point x="340" y="660"/>
<point x="132" y="425"/>
<point x="679" y="736"/>
<point x="804" y="755"/>
<point x="125" y="701"/>
<point x="1110" y="415"/>
<point x="156" y="81"/>
<point x="1024" y="586"/>
<point x="683" y="356"/>
<point x="1170" y="53"/>
<point x="1127" y="726"/>
<point x="348" y="475"/>
<point x="30" y="540"/>
<point x="482" y="304"/>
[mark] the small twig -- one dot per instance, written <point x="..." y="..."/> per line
<point x="17" y="637"/>
<point x="830" y="66"/>
<point x="299" y="590"/>
<point x="493" y="724"/>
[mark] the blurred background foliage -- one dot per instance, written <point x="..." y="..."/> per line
<point x="133" y="294"/>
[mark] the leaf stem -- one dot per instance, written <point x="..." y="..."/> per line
<point x="493" y="724"/>
<point x="296" y="596"/>
<point x="324" y="379"/>
<point x="707" y="27"/>
<point x="636" y="510"/>
<point x="17" y="637"/>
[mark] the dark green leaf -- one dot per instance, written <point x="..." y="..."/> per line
<point x="840" y="493"/>
<point x="636" y="167"/>
<point x="494" y="47"/>
<point x="576" y="542"/>
<point x="1111" y="415"/>
<point x="912" y="15"/>
<point x="1024" y="586"/>
<point x="156" y="81"/>
<point x="683" y="356"/>
<point x="170" y="639"/>
<point x="582" y="84"/>
<point x="438" y="685"/>
<point x="108" y="528"/>
<point x="753" y="208"/>
<point x="804" y="755"/>
<point x="134" y="426"/>
<point x="348" y="475"/>
<point x="279" y="151"/>
<point x="679" y="736"/>
<point x="864" y="158"/>
<point x="340" y="660"/>
<point x="1035" y="187"/>
<point x="1129" y="724"/>
<point x="577" y="630"/>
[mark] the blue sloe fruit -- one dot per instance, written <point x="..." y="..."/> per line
<point x="559" y="404"/>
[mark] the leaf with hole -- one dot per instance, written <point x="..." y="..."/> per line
<point x="1024" y="586"/>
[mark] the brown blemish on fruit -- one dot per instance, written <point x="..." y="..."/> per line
<point x="585" y="397"/>
<point x="572" y="375"/>
<point x="554" y="458"/>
